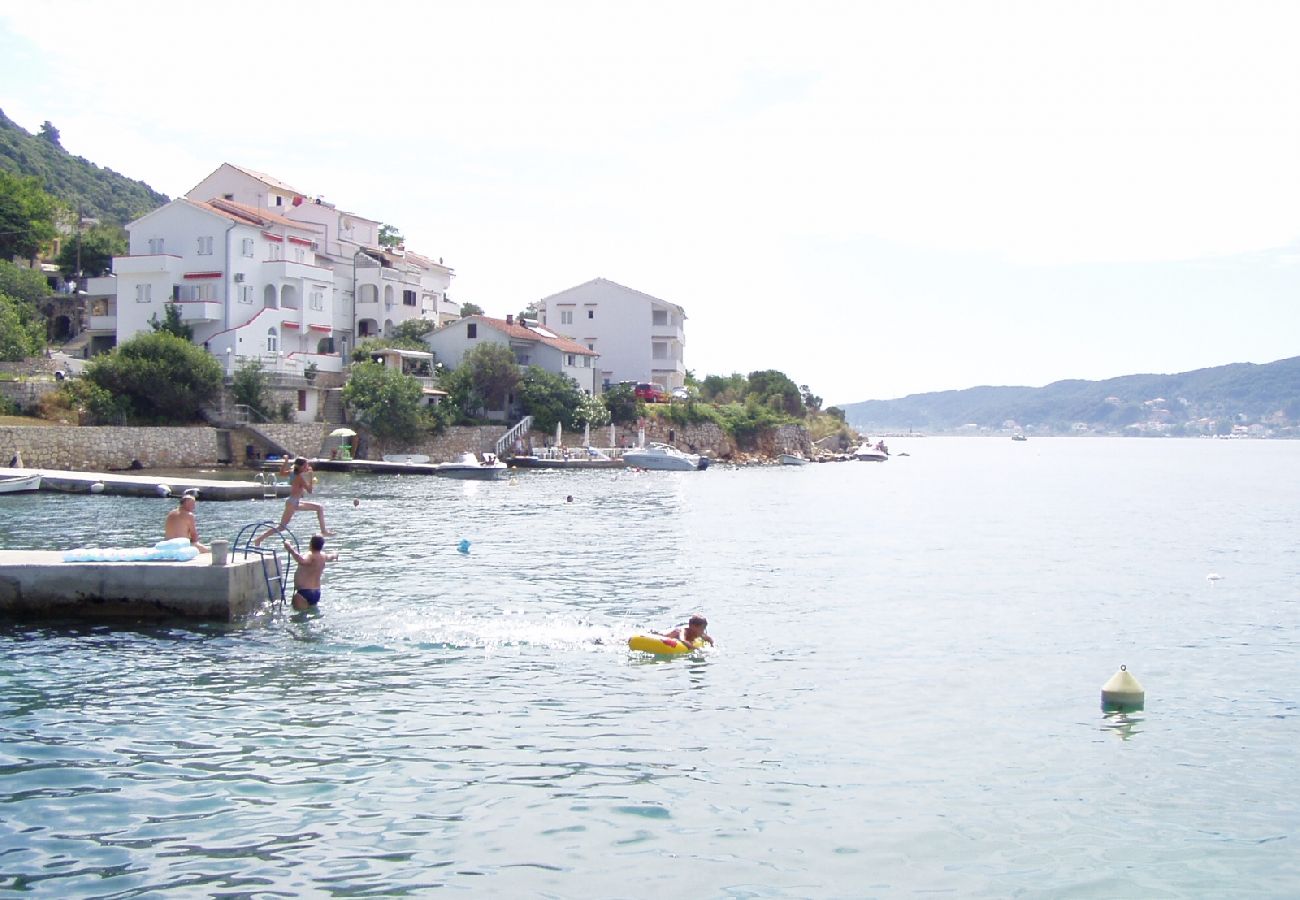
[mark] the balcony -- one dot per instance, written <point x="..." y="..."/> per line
<point x="201" y="310"/>
<point x="668" y="333"/>
<point x="151" y="264"/>
<point x="102" y="323"/>
<point x="275" y="270"/>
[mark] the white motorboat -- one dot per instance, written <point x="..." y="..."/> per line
<point x="468" y="465"/>
<point x="793" y="459"/>
<point x="663" y="456"/>
<point x="12" y="484"/>
<point x="868" y="453"/>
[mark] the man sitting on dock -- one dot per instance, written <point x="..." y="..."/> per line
<point x="182" y="523"/>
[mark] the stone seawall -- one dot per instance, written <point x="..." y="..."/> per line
<point x="108" y="448"/>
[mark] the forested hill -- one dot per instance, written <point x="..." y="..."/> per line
<point x="100" y="193"/>
<point x="1242" y="393"/>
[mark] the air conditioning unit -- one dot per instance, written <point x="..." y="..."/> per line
<point x="239" y="276"/>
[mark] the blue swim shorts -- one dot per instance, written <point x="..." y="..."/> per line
<point x="311" y="595"/>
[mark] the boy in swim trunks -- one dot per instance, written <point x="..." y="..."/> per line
<point x="695" y="630"/>
<point x="306" y="578"/>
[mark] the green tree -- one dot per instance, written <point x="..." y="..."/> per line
<point x="98" y="247"/>
<point x="27" y="216"/>
<point x="410" y="334"/>
<point x="624" y="408"/>
<point x="251" y="387"/>
<point x="171" y="323"/>
<point x="461" y="404"/>
<point x="549" y="398"/>
<point x="494" y="373"/>
<point x="470" y="309"/>
<point x="160" y="378"/>
<point x="22" y="331"/>
<point x="724" y="388"/>
<point x="50" y="134"/>
<point x="22" y="283"/>
<point x="775" y="390"/>
<point x="385" y="401"/>
<point x="390" y="237"/>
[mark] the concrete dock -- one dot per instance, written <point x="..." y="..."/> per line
<point x="120" y="484"/>
<point x="39" y="584"/>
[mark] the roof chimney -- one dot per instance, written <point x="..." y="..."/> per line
<point x="510" y="318"/>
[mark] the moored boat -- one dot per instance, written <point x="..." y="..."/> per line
<point x="665" y="457"/>
<point x="793" y="459"/>
<point x="468" y="465"/>
<point x="869" y="453"/>
<point x="13" y="484"/>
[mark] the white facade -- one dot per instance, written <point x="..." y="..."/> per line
<point x="531" y="346"/>
<point x="247" y="282"/>
<point x="376" y="289"/>
<point x="638" y="337"/>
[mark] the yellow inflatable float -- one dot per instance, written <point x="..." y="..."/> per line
<point x="660" y="645"/>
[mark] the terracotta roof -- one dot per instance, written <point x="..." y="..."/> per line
<point x="251" y="215"/>
<point x="540" y="335"/>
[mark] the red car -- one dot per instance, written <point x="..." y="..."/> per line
<point x="650" y="392"/>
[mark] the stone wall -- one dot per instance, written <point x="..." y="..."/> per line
<point x="26" y="395"/>
<point x="308" y="440"/>
<point x="108" y="448"/>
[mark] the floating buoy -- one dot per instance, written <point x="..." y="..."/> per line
<point x="463" y="547"/>
<point x="1123" y="691"/>
<point x="164" y="490"/>
<point x="97" y="487"/>
<point x="1214" y="576"/>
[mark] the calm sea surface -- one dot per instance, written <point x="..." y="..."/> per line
<point x="904" y="698"/>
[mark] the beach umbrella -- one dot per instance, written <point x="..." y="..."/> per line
<point x="343" y="432"/>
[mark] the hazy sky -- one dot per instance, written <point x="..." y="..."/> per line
<point x="876" y="198"/>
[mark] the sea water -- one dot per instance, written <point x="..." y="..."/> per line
<point x="904" y="697"/>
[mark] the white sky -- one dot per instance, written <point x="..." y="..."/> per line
<point x="877" y="198"/>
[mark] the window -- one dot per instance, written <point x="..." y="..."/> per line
<point x="299" y="254"/>
<point x="245" y="293"/>
<point x="317" y="299"/>
<point x="591" y="314"/>
<point x="144" y="293"/>
<point x="566" y="317"/>
<point x="156" y="246"/>
<point x="228" y="196"/>
<point x="205" y="246"/>
<point x="272" y="340"/>
<point x="471" y="330"/>
<point x="408" y="298"/>
<point x="586" y="362"/>
<point x="246" y="247"/>
<point x="659" y="317"/>
<point x="570" y="360"/>
<point x="272" y="252"/>
<point x="302" y="401"/>
<point x="659" y="350"/>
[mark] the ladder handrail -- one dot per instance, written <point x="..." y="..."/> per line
<point x="244" y="541"/>
<point x="524" y="424"/>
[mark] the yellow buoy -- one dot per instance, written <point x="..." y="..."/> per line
<point x="1123" y="691"/>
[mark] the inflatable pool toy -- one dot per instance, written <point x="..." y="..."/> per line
<point x="172" y="550"/>
<point x="660" y="645"/>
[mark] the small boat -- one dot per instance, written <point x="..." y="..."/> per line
<point x="663" y="456"/>
<point x="467" y="465"/>
<point x="793" y="459"/>
<point x="867" y="453"/>
<point x="13" y="484"/>
<point x="591" y="458"/>
<point x="1018" y="437"/>
<point x="410" y="459"/>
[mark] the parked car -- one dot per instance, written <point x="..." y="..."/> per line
<point x="650" y="392"/>
<point x="681" y="393"/>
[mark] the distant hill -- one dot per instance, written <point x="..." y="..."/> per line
<point x="101" y="193"/>
<point x="1242" y="392"/>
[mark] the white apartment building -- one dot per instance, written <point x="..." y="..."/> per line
<point x="375" y="288"/>
<point x="247" y="281"/>
<point x="638" y="337"/>
<point x="532" y="346"/>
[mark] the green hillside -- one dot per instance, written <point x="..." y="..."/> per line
<point x="100" y="193"/>
<point x="1242" y="393"/>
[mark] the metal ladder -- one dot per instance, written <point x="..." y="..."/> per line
<point x="275" y="574"/>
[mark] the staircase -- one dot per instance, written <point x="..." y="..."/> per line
<point x="225" y="447"/>
<point x="524" y="426"/>
<point x="332" y="411"/>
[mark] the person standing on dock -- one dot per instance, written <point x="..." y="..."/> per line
<point x="306" y="578"/>
<point x="181" y="522"/>
<point x="304" y="482"/>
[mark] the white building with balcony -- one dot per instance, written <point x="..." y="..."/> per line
<point x="532" y="346"/>
<point x="376" y="289"/>
<point x="638" y="337"/>
<point x="246" y="280"/>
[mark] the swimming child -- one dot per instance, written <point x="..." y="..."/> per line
<point x="695" y="630"/>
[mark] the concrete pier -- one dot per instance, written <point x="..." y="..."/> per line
<point x="121" y="484"/>
<point x="39" y="584"/>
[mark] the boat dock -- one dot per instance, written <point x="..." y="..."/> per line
<point x="39" y="584"/>
<point x="119" y="484"/>
<point x="373" y="466"/>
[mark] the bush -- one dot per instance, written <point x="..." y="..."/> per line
<point x="160" y="378"/>
<point x="624" y="408"/>
<point x="386" y="402"/>
<point x="90" y="403"/>
<point x="549" y="398"/>
<point x="249" y="387"/>
<point x="22" y="332"/>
